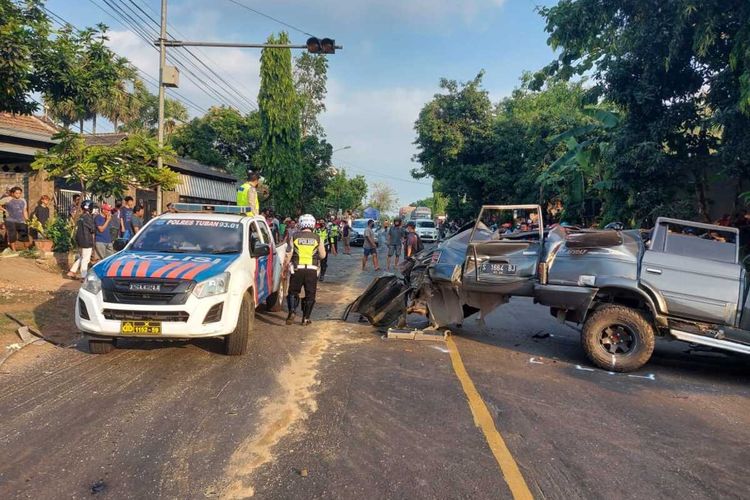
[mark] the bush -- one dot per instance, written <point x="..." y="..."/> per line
<point x="61" y="233"/>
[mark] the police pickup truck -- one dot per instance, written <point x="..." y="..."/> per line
<point x="200" y="272"/>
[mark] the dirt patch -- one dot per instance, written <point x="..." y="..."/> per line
<point x="297" y="401"/>
<point x="35" y="293"/>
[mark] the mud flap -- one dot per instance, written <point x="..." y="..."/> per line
<point x="383" y="302"/>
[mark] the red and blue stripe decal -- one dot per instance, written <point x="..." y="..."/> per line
<point x="166" y="266"/>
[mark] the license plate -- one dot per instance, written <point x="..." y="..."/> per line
<point x="497" y="268"/>
<point x="145" y="287"/>
<point x="140" y="328"/>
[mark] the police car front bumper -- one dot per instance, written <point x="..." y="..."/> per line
<point x="194" y="319"/>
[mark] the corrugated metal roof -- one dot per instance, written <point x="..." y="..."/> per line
<point x="192" y="166"/>
<point x="209" y="189"/>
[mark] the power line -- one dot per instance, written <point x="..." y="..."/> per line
<point x="126" y="19"/>
<point x="251" y="9"/>
<point x="188" y="102"/>
<point x="127" y="12"/>
<point x="379" y="174"/>
<point x="192" y="54"/>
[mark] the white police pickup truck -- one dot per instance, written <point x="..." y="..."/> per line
<point x="197" y="273"/>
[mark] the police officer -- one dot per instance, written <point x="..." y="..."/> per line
<point x="308" y="252"/>
<point x="333" y="237"/>
<point x="322" y="233"/>
<point x="247" y="193"/>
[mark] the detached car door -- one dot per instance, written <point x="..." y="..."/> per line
<point x="504" y="250"/>
<point x="696" y="269"/>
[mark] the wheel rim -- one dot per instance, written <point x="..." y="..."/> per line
<point x="618" y="340"/>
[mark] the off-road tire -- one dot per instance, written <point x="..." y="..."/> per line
<point x="99" y="346"/>
<point x="235" y="344"/>
<point x="637" y="325"/>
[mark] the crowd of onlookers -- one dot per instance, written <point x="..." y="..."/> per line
<point x="95" y="227"/>
<point x="398" y="239"/>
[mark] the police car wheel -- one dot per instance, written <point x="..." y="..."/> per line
<point x="100" y="346"/>
<point x="235" y="344"/>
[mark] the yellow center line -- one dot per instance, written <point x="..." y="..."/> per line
<point x="482" y="419"/>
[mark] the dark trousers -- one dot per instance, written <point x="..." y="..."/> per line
<point x="307" y="278"/>
<point x="324" y="263"/>
<point x="17" y="231"/>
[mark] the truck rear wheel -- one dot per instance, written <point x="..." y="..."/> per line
<point x="99" y="346"/>
<point x="618" y="338"/>
<point x="235" y="344"/>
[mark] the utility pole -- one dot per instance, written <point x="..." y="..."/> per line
<point x="169" y="76"/>
<point x="162" y="64"/>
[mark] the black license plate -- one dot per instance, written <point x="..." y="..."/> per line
<point x="497" y="268"/>
<point x="145" y="287"/>
<point x="140" y="328"/>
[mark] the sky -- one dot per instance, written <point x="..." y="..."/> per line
<point x="395" y="53"/>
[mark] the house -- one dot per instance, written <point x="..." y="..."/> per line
<point x="21" y="138"/>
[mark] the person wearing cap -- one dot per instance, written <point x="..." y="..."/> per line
<point x="103" y="236"/>
<point x="247" y="194"/>
<point x="84" y="238"/>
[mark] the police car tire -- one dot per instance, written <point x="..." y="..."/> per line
<point x="235" y="344"/>
<point x="101" y="346"/>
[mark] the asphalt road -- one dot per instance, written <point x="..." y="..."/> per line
<point x="336" y="411"/>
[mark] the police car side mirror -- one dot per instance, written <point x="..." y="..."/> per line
<point x="119" y="244"/>
<point x="261" y="249"/>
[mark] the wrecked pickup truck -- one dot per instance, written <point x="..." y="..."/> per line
<point x="683" y="280"/>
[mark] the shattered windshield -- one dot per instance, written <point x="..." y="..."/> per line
<point x="507" y="223"/>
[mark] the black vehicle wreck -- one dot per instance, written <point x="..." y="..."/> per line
<point x="683" y="280"/>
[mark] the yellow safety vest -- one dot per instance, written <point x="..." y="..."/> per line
<point x="247" y="196"/>
<point x="305" y="246"/>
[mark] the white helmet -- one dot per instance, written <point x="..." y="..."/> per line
<point x="306" y="221"/>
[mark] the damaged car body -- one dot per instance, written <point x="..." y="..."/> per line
<point x="683" y="280"/>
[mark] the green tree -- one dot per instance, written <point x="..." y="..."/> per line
<point x="144" y="116"/>
<point x="24" y="31"/>
<point x="317" y="172"/>
<point x="82" y="74"/>
<point x="222" y="138"/>
<point x="680" y="72"/>
<point x="279" y="155"/>
<point x="108" y="170"/>
<point x="310" y="77"/>
<point x="345" y="193"/>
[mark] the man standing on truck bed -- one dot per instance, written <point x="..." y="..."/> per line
<point x="308" y="251"/>
<point x="247" y="193"/>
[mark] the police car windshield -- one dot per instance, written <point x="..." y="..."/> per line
<point x="190" y="235"/>
<point x="359" y="223"/>
<point x="425" y="223"/>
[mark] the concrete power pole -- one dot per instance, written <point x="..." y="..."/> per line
<point x="162" y="65"/>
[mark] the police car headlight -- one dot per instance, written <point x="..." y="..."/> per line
<point x="215" y="285"/>
<point x="92" y="283"/>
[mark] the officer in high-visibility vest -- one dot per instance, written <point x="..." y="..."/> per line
<point x="247" y="194"/>
<point x="322" y="233"/>
<point x="333" y="237"/>
<point x="308" y="252"/>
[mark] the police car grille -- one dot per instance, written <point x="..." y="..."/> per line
<point x="171" y="292"/>
<point x="116" y="314"/>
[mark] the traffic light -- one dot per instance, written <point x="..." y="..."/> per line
<point x="321" y="46"/>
